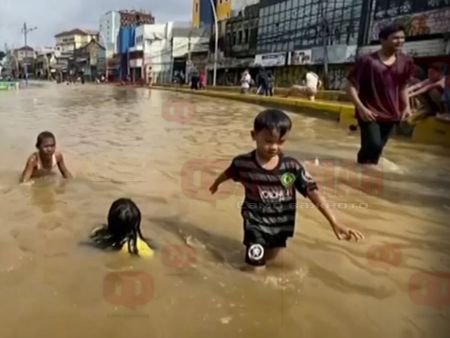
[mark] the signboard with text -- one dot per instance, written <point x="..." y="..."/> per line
<point x="271" y="59"/>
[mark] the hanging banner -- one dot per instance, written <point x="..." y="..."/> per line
<point x="300" y="57"/>
<point x="271" y="59"/>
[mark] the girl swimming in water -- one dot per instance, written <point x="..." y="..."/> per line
<point x="123" y="231"/>
<point x="45" y="160"/>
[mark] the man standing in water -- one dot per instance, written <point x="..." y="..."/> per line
<point x="378" y="88"/>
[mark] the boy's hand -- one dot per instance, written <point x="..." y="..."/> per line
<point x="213" y="188"/>
<point x="343" y="232"/>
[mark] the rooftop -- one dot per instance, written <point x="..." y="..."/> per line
<point x="77" y="31"/>
<point x="25" y="48"/>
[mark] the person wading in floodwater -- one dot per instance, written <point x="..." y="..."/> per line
<point x="378" y="88"/>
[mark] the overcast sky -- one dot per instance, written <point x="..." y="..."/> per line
<point x="54" y="16"/>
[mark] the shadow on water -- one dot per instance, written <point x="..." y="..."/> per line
<point x="222" y="249"/>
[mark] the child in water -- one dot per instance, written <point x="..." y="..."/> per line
<point x="45" y="160"/>
<point x="123" y="231"/>
<point x="270" y="179"/>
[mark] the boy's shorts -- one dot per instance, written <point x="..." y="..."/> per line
<point x="257" y="242"/>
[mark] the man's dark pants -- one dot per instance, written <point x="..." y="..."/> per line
<point x="374" y="136"/>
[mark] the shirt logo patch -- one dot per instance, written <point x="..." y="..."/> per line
<point x="288" y="180"/>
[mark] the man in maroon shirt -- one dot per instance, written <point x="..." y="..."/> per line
<point x="378" y="88"/>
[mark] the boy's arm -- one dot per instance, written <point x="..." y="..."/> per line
<point x="230" y="173"/>
<point x="339" y="230"/>
<point x="62" y="166"/>
<point x="28" y="171"/>
<point x="223" y="177"/>
<point x="354" y="79"/>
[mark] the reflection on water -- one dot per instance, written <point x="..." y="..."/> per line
<point x="138" y="143"/>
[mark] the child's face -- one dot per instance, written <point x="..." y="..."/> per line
<point x="47" y="147"/>
<point x="268" y="143"/>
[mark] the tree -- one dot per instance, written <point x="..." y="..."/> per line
<point x="2" y="55"/>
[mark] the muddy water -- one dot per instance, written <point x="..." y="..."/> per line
<point x="163" y="149"/>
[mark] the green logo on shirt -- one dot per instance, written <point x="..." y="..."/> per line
<point x="288" y="180"/>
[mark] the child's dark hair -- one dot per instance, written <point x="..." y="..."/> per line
<point x="42" y="136"/>
<point x="124" y="227"/>
<point x="272" y="120"/>
<point x="390" y="29"/>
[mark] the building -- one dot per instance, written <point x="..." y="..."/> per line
<point x="69" y="41"/>
<point x="242" y="32"/>
<point x="23" y="59"/>
<point x="239" y="48"/>
<point x="89" y="60"/>
<point x="117" y="29"/>
<point x="151" y="57"/>
<point x="203" y="15"/>
<point x="25" y="53"/>
<point x="427" y="26"/>
<point x="109" y="31"/>
<point x="190" y="48"/>
<point x="46" y="60"/>
<point x="292" y="33"/>
<point x="135" y="18"/>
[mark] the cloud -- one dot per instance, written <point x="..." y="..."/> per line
<point x="54" y="16"/>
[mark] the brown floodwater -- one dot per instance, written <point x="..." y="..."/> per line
<point x="163" y="149"/>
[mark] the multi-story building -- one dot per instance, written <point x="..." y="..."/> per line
<point x="295" y="32"/>
<point x="69" y="41"/>
<point x="151" y="56"/>
<point x="25" y="53"/>
<point x="427" y="26"/>
<point x="109" y="31"/>
<point x="242" y="32"/>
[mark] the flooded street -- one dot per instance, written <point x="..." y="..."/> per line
<point x="163" y="150"/>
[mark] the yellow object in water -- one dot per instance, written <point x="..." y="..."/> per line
<point x="144" y="249"/>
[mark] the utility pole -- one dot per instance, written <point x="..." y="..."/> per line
<point x="25" y="31"/>
<point x="325" y="27"/>
<point x="216" y="47"/>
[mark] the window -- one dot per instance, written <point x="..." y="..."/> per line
<point x="288" y="4"/>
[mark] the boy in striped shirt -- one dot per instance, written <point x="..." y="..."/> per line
<point x="271" y="179"/>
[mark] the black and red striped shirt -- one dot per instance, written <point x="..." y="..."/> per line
<point x="270" y="198"/>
